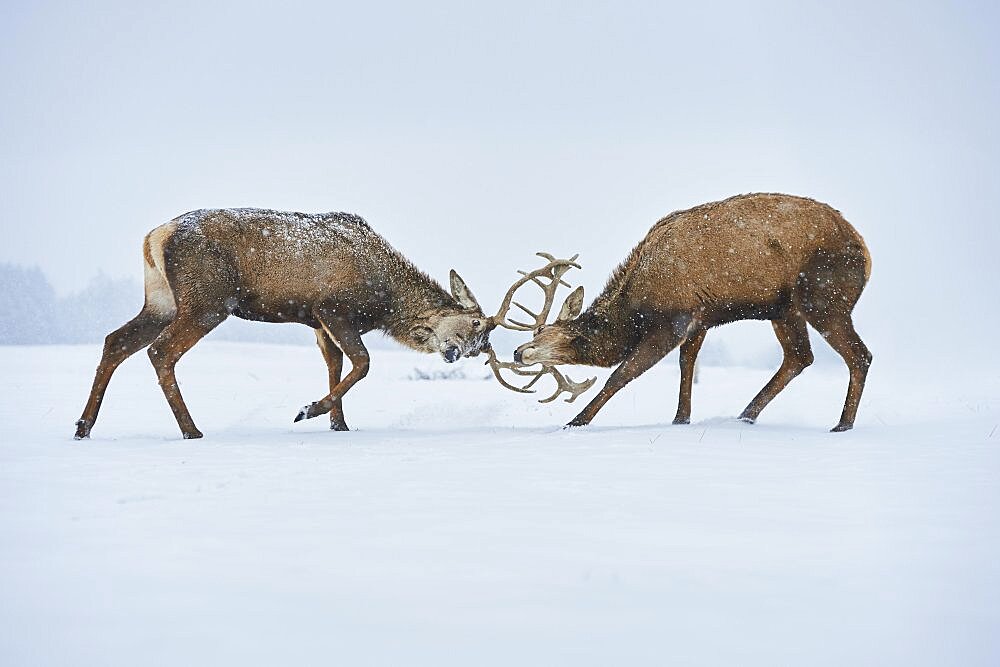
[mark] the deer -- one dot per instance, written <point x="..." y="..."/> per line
<point x="329" y="271"/>
<point x="764" y="256"/>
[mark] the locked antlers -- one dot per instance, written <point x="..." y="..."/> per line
<point x="548" y="278"/>
<point x="563" y="383"/>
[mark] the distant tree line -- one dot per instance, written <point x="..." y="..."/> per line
<point x="32" y="313"/>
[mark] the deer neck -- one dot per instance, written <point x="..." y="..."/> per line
<point x="610" y="335"/>
<point x="412" y="298"/>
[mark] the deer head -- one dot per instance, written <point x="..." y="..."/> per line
<point x="453" y="331"/>
<point x="548" y="278"/>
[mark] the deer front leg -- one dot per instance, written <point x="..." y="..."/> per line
<point x="689" y="354"/>
<point x="651" y="349"/>
<point x="334" y="358"/>
<point x="346" y="336"/>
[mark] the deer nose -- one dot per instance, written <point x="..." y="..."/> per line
<point x="518" y="356"/>
<point x="452" y="353"/>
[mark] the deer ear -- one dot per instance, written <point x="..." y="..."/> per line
<point x="572" y="305"/>
<point x="462" y="293"/>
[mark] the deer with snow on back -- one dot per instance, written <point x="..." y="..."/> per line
<point x="786" y="259"/>
<point x="329" y="271"/>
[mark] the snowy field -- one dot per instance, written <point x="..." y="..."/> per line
<point x="458" y="524"/>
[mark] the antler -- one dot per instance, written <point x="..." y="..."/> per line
<point x="563" y="383"/>
<point x="549" y="278"/>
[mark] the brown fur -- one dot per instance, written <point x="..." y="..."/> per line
<point x="331" y="272"/>
<point x="775" y="257"/>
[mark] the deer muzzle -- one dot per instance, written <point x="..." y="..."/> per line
<point x="529" y="354"/>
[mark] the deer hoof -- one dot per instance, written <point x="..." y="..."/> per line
<point x="338" y="426"/>
<point x="577" y="423"/>
<point x="82" y="430"/>
<point x="307" y="412"/>
<point x="193" y="435"/>
<point x="746" y="419"/>
<point x="681" y="420"/>
<point x="840" y="428"/>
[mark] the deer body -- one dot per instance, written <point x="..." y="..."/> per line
<point x="329" y="271"/>
<point x="773" y="257"/>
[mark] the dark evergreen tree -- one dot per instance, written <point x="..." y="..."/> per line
<point x="27" y="306"/>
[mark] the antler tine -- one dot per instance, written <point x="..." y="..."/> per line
<point x="563" y="383"/>
<point x="571" y="261"/>
<point x="548" y="278"/>
<point x="526" y="310"/>
<point x="540" y="283"/>
<point x="496" y="365"/>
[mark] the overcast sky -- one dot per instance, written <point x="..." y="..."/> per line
<point x="472" y="136"/>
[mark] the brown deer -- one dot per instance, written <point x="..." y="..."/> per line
<point x="773" y="257"/>
<point x="329" y="271"/>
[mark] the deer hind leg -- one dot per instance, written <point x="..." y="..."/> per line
<point x="178" y="337"/>
<point x="334" y="358"/>
<point x="346" y="336"/>
<point x="689" y="354"/>
<point x="119" y="345"/>
<point x="838" y="330"/>
<point x="831" y="286"/>
<point x="794" y="338"/>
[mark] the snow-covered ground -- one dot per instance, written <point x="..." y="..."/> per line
<point x="458" y="524"/>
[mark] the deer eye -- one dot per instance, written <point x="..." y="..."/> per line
<point x="475" y="324"/>
<point x="539" y="329"/>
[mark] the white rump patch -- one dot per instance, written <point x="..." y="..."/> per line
<point x="159" y="296"/>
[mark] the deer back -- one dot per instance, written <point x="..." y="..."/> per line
<point x="742" y="253"/>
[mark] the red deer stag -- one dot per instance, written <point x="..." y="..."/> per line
<point x="329" y="271"/>
<point x="773" y="257"/>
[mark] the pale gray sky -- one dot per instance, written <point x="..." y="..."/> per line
<point x="472" y="135"/>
